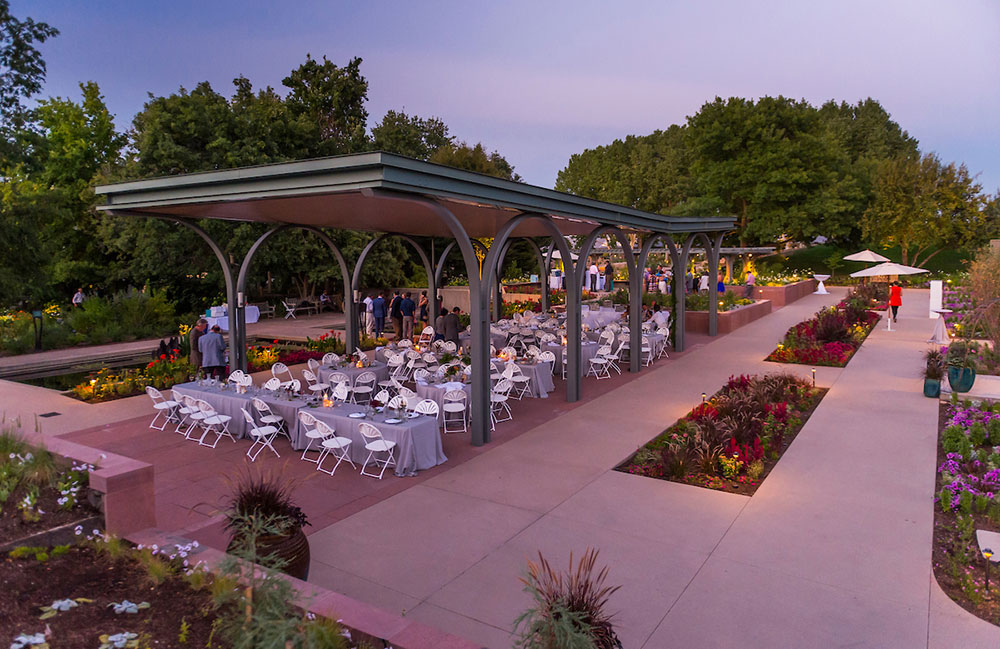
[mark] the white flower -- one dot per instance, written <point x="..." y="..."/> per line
<point x="119" y="640"/>
<point x="25" y="640"/>
<point x="78" y="530"/>
<point x="64" y="604"/>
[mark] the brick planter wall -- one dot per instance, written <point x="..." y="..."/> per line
<point x="697" y="321"/>
<point x="782" y="295"/>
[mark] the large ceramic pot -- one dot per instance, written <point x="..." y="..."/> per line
<point x="932" y="388"/>
<point x="293" y="549"/>
<point x="961" y="378"/>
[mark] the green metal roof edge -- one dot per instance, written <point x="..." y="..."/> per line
<point x="389" y="171"/>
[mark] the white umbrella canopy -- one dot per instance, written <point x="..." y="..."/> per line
<point x="866" y="255"/>
<point x="889" y="269"/>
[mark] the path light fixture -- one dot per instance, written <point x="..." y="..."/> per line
<point x="703" y="396"/>
<point x="814" y="377"/>
<point x="988" y="553"/>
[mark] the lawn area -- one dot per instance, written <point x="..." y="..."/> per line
<point x="815" y="259"/>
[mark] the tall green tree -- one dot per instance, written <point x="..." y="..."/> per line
<point x="474" y="158"/>
<point x="333" y="100"/>
<point x="410" y="136"/>
<point x="924" y="206"/>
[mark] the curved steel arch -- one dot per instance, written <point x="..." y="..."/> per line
<point x="712" y="247"/>
<point x="439" y="271"/>
<point x="572" y="298"/>
<point x="350" y="325"/>
<point x="635" y="287"/>
<point x="542" y="274"/>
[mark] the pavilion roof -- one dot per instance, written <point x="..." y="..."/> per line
<point x="358" y="192"/>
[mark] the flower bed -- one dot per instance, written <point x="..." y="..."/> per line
<point x="733" y="440"/>
<point x="161" y="373"/>
<point x="830" y="338"/>
<point x="39" y="492"/>
<point x="967" y="490"/>
<point x="728" y="321"/>
<point x="783" y="294"/>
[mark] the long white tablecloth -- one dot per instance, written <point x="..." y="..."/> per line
<point x="251" y="312"/>
<point x="380" y="369"/>
<point x="228" y="402"/>
<point x="418" y="440"/>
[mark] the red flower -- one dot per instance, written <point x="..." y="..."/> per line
<point x="275" y="341"/>
<point x="163" y="357"/>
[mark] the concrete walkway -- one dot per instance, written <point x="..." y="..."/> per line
<point x="833" y="550"/>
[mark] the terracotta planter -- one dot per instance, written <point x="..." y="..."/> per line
<point x="292" y="548"/>
<point x="932" y="388"/>
<point x="961" y="378"/>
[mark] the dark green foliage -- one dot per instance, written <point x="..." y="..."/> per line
<point x="264" y="496"/>
<point x="954" y="440"/>
<point x="977" y="434"/>
<point x="993" y="430"/>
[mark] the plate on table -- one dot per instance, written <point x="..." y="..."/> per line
<point x="393" y="420"/>
<point x="412" y="415"/>
<point x="356" y="415"/>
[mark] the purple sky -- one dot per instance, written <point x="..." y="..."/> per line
<point x="539" y="81"/>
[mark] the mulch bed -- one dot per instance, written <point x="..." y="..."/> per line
<point x="945" y="536"/>
<point x="85" y="572"/>
<point x="14" y="527"/>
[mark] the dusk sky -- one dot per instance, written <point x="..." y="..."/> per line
<point x="539" y="81"/>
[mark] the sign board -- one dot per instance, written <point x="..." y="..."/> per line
<point x="937" y="297"/>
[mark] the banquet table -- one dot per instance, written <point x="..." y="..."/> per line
<point x="352" y="371"/>
<point x="588" y="349"/>
<point x="601" y="318"/>
<point x="228" y="402"/>
<point x="436" y="391"/>
<point x="251" y="312"/>
<point x="940" y="334"/>
<point x="540" y="373"/>
<point x="418" y="439"/>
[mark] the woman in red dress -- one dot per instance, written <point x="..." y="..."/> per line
<point x="895" y="298"/>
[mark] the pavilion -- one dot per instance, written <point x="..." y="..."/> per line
<point x="402" y="197"/>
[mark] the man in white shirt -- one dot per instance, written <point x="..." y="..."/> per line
<point x="592" y="271"/>
<point x="659" y="318"/>
<point x="368" y="316"/>
<point x="78" y="298"/>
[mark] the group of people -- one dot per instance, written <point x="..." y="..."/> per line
<point x="594" y="273"/>
<point x="208" y="349"/>
<point x="404" y="314"/>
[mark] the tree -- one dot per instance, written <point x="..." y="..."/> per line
<point x="771" y="164"/>
<point x="923" y="206"/>
<point x="410" y="136"/>
<point x="462" y="156"/>
<point x="333" y="100"/>
<point x="22" y="71"/>
<point x="647" y="172"/>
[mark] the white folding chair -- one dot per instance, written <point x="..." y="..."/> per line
<point x="398" y="402"/>
<point x="599" y="365"/>
<point x="364" y="386"/>
<point x="312" y="433"/>
<point x="519" y="380"/>
<point x="499" y="408"/>
<point x="420" y="375"/>
<point x="454" y="409"/>
<point x="426" y="336"/>
<point x="375" y="444"/>
<point x="183" y="411"/>
<point x="614" y="357"/>
<point x="548" y="357"/>
<point x="272" y="384"/>
<point x="289" y="310"/>
<point x="262" y="436"/>
<point x="383" y="397"/>
<point x="236" y="377"/>
<point x="280" y="368"/>
<point x="161" y="406"/>
<point x="340" y="392"/>
<point x="449" y="346"/>
<point x="427" y="407"/>
<point x="314" y="383"/>
<point x="330" y="359"/>
<point x="647" y="351"/>
<point x="214" y="423"/>
<point x="195" y="416"/>
<point x="665" y="332"/>
<point x="269" y="418"/>
<point x="313" y="365"/>
<point x="333" y="445"/>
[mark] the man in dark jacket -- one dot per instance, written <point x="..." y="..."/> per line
<point x="407" y="308"/>
<point x="452" y="326"/>
<point x="196" y="333"/>
<point x="396" y="314"/>
<point x="379" y="310"/>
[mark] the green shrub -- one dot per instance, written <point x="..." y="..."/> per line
<point x="977" y="434"/>
<point x="954" y="440"/>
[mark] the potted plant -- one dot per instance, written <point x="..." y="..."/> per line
<point x="961" y="366"/>
<point x="933" y="372"/>
<point x="258" y="499"/>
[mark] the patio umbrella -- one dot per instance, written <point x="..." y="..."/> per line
<point x="888" y="269"/>
<point x="866" y="255"/>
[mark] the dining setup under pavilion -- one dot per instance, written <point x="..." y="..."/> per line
<point x="388" y="410"/>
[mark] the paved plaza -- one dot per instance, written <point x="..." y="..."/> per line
<point x="832" y="550"/>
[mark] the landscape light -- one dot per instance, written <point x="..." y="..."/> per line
<point x="703" y="395"/>
<point x="987" y="552"/>
<point x="814" y="377"/>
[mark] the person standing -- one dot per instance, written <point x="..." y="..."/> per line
<point x="703" y="283"/>
<point x="452" y="325"/>
<point x="378" y="315"/>
<point x="609" y="276"/>
<point x="895" y="299"/>
<point x="367" y="319"/>
<point x="593" y="273"/>
<point x="439" y="325"/>
<point x="407" y="309"/>
<point x="395" y="315"/>
<point x="213" y="353"/>
<point x="751" y="284"/>
<point x="193" y="337"/>
<point x="720" y="286"/>
<point x="424" y="307"/>
<point x="78" y="299"/>
<point x="689" y="282"/>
